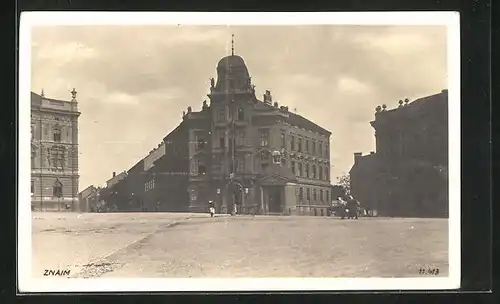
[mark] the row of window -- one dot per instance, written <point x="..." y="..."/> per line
<point x="56" y="133"/>
<point x="305" y="145"/>
<point x="57" y="189"/>
<point x="310" y="171"/>
<point x="221" y="115"/>
<point x="240" y="139"/>
<point x="312" y="195"/>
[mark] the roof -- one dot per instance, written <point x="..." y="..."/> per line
<point x="416" y="107"/>
<point x="37" y="99"/>
<point x="173" y="132"/>
<point x="117" y="178"/>
<point x="295" y="119"/>
<point x="365" y="162"/>
<point x="231" y="61"/>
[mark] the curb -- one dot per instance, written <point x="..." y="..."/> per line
<point x="102" y="260"/>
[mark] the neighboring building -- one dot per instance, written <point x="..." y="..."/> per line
<point x="408" y="176"/>
<point x="54" y="153"/>
<point x="116" y="192"/>
<point x="239" y="149"/>
<point x="115" y="179"/>
<point x="89" y="199"/>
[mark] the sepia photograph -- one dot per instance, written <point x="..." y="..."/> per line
<point x="239" y="151"/>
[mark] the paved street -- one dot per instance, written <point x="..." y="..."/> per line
<point x="157" y="245"/>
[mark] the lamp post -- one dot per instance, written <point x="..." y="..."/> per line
<point x="219" y="203"/>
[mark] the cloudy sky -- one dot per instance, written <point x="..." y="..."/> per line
<point x="133" y="82"/>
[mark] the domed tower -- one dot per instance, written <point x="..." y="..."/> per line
<point x="233" y="79"/>
<point x="232" y="75"/>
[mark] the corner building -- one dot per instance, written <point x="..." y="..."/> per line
<point x="54" y="153"/>
<point x="254" y="153"/>
<point x="236" y="150"/>
<point x="408" y="174"/>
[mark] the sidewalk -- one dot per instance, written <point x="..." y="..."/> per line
<point x="67" y="241"/>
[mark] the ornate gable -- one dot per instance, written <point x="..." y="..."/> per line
<point x="273" y="179"/>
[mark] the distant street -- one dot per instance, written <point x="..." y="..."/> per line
<point x="156" y="245"/>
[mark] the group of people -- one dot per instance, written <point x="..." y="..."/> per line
<point x="349" y="208"/>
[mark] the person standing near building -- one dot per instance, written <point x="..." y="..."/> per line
<point x="211" y="208"/>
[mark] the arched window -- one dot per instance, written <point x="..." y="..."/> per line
<point x="57" y="134"/>
<point x="57" y="189"/>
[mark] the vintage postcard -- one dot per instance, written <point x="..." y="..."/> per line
<point x="239" y="151"/>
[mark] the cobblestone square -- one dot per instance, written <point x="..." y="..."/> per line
<point x="175" y="245"/>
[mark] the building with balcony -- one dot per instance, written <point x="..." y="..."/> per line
<point x="54" y="153"/>
<point x="408" y="174"/>
<point x="238" y="149"/>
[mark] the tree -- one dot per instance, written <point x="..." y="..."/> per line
<point x="337" y="191"/>
<point x="345" y="182"/>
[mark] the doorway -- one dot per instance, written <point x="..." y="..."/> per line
<point x="275" y="199"/>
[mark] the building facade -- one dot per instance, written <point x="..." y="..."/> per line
<point x="238" y="149"/>
<point x="54" y="153"/>
<point x="254" y="153"/>
<point x="89" y="199"/>
<point x="408" y="174"/>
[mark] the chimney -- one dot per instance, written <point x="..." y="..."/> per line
<point x="267" y="97"/>
<point x="357" y="156"/>
<point x="114" y="174"/>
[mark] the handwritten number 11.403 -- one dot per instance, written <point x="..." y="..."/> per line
<point x="428" y="271"/>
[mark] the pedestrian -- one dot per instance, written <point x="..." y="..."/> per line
<point x="235" y="210"/>
<point x="211" y="208"/>
<point x="353" y="207"/>
<point x="342" y="207"/>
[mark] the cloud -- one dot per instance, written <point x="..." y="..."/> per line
<point x="135" y="81"/>
<point x="121" y="98"/>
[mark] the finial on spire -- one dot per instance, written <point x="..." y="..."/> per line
<point x="43" y="93"/>
<point x="232" y="45"/>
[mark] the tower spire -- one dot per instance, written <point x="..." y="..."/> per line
<point x="232" y="45"/>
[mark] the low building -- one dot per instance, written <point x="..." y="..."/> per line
<point x="408" y="174"/>
<point x="89" y="199"/>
